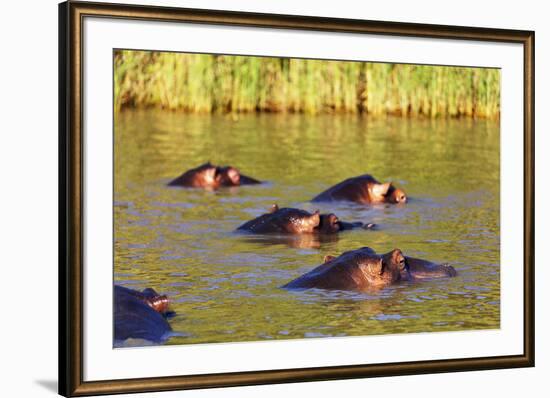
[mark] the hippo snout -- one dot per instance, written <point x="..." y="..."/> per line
<point x="449" y="269"/>
<point x="400" y="196"/>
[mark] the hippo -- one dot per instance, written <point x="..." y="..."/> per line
<point x="288" y="220"/>
<point x="363" y="189"/>
<point x="210" y="176"/>
<point x="362" y="269"/>
<point x="140" y="315"/>
<point x="359" y="269"/>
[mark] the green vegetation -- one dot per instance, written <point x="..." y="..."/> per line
<point x="220" y="83"/>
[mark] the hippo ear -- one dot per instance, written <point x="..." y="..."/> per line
<point x="316" y="216"/>
<point x="381" y="189"/>
<point x="328" y="258"/>
<point x="274" y="208"/>
<point x="234" y="175"/>
<point x="380" y="266"/>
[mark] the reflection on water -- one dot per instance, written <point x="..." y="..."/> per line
<point x="224" y="286"/>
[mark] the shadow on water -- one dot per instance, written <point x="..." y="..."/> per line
<point x="225" y="286"/>
<point x="303" y="241"/>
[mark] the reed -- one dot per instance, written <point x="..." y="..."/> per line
<point x="203" y="83"/>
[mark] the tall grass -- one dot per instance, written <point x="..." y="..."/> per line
<point x="221" y="83"/>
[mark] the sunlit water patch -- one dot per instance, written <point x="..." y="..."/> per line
<point x="225" y="286"/>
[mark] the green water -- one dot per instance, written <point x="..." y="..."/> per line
<point x="225" y="286"/>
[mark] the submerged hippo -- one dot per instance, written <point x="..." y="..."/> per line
<point x="363" y="268"/>
<point x="363" y="189"/>
<point x="354" y="270"/>
<point x="288" y="220"/>
<point x="140" y="315"/>
<point x="212" y="177"/>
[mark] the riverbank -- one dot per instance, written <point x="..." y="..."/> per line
<point x="203" y="83"/>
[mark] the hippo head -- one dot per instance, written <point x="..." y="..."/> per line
<point x="383" y="270"/>
<point x="156" y="301"/>
<point x="228" y="176"/>
<point x="396" y="195"/>
<point x="387" y="193"/>
<point x="329" y="224"/>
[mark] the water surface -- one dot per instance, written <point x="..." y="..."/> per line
<point x="224" y="286"/>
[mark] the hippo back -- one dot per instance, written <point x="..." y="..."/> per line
<point x="246" y="180"/>
<point x="337" y="273"/>
<point x="201" y="176"/>
<point x="285" y="220"/>
<point x="355" y="189"/>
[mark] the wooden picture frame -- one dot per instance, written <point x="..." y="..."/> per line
<point x="71" y="205"/>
